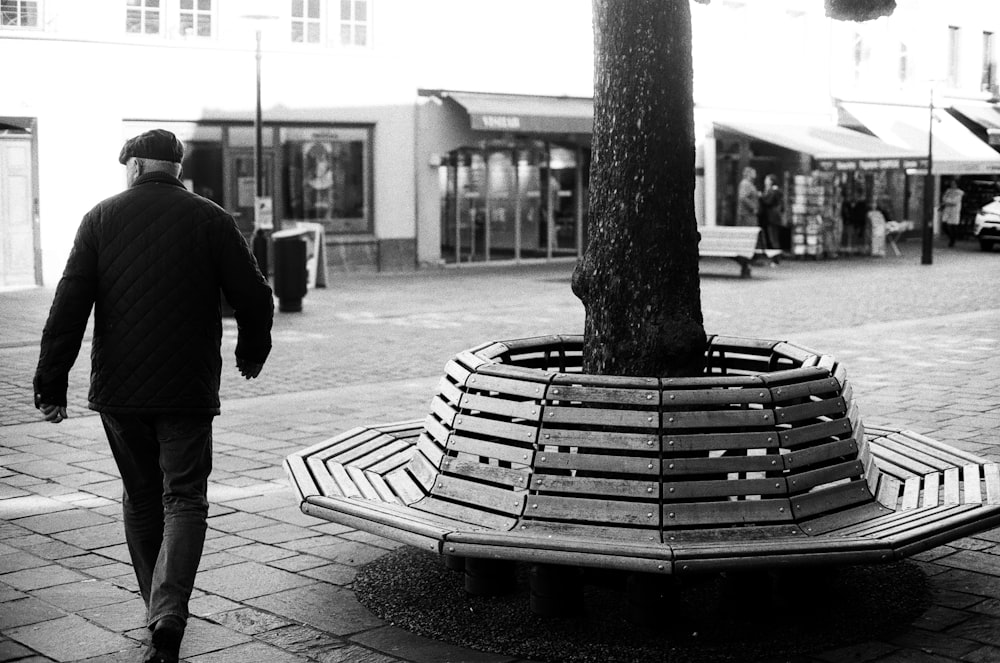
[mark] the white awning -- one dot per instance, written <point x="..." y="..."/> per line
<point x="833" y="147"/>
<point x="956" y="150"/>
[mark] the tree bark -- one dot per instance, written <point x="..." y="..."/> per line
<point x="638" y="279"/>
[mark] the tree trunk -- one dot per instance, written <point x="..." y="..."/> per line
<point x="639" y="279"/>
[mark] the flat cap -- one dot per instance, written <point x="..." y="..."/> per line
<point x="155" y="144"/>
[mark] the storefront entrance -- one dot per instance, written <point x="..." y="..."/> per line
<point x="17" y="234"/>
<point x="242" y="186"/>
<point x="513" y="201"/>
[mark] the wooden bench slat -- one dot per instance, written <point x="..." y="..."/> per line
<point x="810" y="433"/>
<point x="589" y="486"/>
<point x="716" y="488"/>
<point x="423" y="471"/>
<point x="448" y="391"/>
<point x="911" y="493"/>
<point x="971" y="484"/>
<point x="344" y="443"/>
<point x="548" y="461"/>
<point x="686" y="442"/>
<point x="711" y="419"/>
<point x="520" y="456"/>
<point x="946" y="451"/>
<point x="821" y="453"/>
<point x="464" y="491"/>
<point x="560" y="415"/>
<point x="931" y="492"/>
<point x="559" y="437"/>
<point x="830" y="407"/>
<point x="684" y="398"/>
<point x="680" y="467"/>
<point x="991" y="473"/>
<point x="890" y="460"/>
<point x="923" y="461"/>
<point x="404" y="485"/>
<point x="472" y="518"/>
<point x="345" y="485"/>
<point x="952" y="495"/>
<point x="584" y="509"/>
<point x="301" y="478"/>
<point x="467" y="423"/>
<point x="889" y="491"/>
<point x="321" y="473"/>
<point x="515" y="410"/>
<point x="803" y="481"/>
<point x="648" y="396"/>
<point x="486" y="381"/>
<point x="822" y="386"/>
<point x="514" y="477"/>
<point x="832" y="498"/>
<point x="735" y="512"/>
<point x="363" y="484"/>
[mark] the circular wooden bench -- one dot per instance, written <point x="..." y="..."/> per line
<point x="763" y="462"/>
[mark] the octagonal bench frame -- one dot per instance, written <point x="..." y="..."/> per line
<point x="524" y="458"/>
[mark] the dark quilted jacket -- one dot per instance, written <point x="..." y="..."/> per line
<point x="151" y="261"/>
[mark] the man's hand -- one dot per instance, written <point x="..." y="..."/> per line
<point x="53" y="413"/>
<point x="248" y="369"/>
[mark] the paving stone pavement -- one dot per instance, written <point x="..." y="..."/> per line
<point x="920" y="342"/>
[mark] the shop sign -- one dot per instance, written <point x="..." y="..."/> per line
<point x="500" y="122"/>
<point x="847" y="165"/>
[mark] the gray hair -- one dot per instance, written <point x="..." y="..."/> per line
<point x="170" y="167"/>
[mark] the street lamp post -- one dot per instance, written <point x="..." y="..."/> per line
<point x="927" y="236"/>
<point x="262" y="205"/>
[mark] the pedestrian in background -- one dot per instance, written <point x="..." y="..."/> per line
<point x="747" y="199"/>
<point x="772" y="206"/>
<point x="151" y="261"/>
<point x="951" y="211"/>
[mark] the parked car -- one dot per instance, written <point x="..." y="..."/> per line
<point x="988" y="225"/>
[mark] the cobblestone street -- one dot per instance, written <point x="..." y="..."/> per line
<point x="921" y="344"/>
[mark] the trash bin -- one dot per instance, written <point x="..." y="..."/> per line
<point x="290" y="273"/>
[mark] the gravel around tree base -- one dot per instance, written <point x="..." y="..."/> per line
<point x="739" y="617"/>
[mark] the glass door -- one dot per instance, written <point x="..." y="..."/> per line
<point x="242" y="187"/>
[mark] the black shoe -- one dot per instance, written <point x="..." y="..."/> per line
<point x="165" y="644"/>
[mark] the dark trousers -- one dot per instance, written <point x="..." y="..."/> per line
<point x="164" y="461"/>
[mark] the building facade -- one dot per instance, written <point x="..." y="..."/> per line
<point x="446" y="132"/>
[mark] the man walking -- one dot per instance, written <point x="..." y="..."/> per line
<point x="151" y="261"/>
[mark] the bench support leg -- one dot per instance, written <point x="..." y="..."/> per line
<point x="555" y="590"/>
<point x="489" y="577"/>
<point x="454" y="562"/>
<point x="744" y="268"/>
<point x="649" y="598"/>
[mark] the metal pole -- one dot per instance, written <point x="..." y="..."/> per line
<point x="927" y="244"/>
<point x="258" y="132"/>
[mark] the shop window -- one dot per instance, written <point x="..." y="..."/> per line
<point x="142" y="17"/>
<point x="954" y="51"/>
<point x="19" y="13"/>
<point x="327" y="178"/>
<point x="354" y="22"/>
<point x="904" y="64"/>
<point x="307" y="23"/>
<point x="862" y="57"/>
<point x="988" y="82"/>
<point x="196" y="18"/>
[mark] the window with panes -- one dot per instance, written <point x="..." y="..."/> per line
<point x="19" y="13"/>
<point x="196" y="18"/>
<point x="143" y="17"/>
<point x="307" y="21"/>
<point x="354" y="22"/>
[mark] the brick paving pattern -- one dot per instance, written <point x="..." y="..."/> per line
<point x="920" y="342"/>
